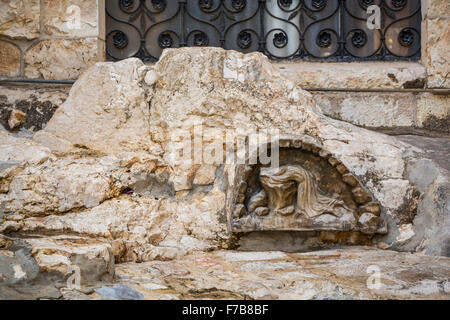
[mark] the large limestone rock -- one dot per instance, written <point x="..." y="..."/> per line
<point x="112" y="115"/>
<point x="106" y="164"/>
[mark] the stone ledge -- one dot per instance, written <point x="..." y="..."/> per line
<point x="359" y="75"/>
<point x="393" y="110"/>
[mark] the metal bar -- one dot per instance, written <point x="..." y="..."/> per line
<point x="21" y="80"/>
<point x="379" y="90"/>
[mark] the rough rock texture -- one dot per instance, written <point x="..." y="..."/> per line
<point x="350" y="274"/>
<point x="19" y="19"/>
<point x="16" y="118"/>
<point x="430" y="229"/>
<point x="9" y="60"/>
<point x="60" y="59"/>
<point x="105" y="166"/>
<point x="438" y="55"/>
<point x="75" y="18"/>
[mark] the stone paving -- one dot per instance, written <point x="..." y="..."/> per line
<point x="349" y="273"/>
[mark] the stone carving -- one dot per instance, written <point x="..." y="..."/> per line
<point x="282" y="185"/>
<point x="310" y="190"/>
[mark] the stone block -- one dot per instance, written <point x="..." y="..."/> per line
<point x="381" y="110"/>
<point x="19" y="19"/>
<point x="433" y="112"/>
<point x="438" y="8"/>
<point x="75" y="18"/>
<point x="60" y="59"/>
<point x="9" y="60"/>
<point x="438" y="54"/>
<point x="354" y="75"/>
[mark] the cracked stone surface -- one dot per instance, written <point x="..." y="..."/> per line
<point x="330" y="274"/>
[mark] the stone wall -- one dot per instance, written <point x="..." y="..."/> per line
<point x="436" y="42"/>
<point x="49" y="39"/>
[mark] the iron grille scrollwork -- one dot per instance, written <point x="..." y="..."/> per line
<point x="281" y="29"/>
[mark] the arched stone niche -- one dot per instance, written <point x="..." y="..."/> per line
<point x="310" y="190"/>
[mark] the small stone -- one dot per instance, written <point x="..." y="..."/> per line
<point x="406" y="232"/>
<point x="350" y="180"/>
<point x="262" y="211"/>
<point x="316" y="150"/>
<point x="333" y="161"/>
<point x="361" y="196"/>
<point x="368" y="223"/>
<point x="342" y="169"/>
<point x="372" y="207"/>
<point x="16" y="118"/>
<point x="151" y="77"/>
<point x="324" y="154"/>
<point x="205" y="175"/>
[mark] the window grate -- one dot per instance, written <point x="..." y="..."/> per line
<point x="334" y="30"/>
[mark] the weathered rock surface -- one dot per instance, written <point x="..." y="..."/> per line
<point x="39" y="267"/>
<point x="19" y="19"/>
<point x="9" y="60"/>
<point x="75" y="18"/>
<point x="113" y="113"/>
<point x="60" y="59"/>
<point x="437" y="53"/>
<point x="105" y="167"/>
<point x="357" y="273"/>
<point x="345" y="75"/>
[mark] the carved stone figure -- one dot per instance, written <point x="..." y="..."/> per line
<point x="290" y="189"/>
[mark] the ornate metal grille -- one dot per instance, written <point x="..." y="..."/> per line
<point x="281" y="29"/>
